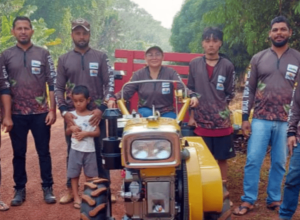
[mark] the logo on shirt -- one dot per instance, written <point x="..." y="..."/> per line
<point x="93" y="72"/>
<point x="290" y="75"/>
<point x="35" y="70"/>
<point x="35" y="63"/>
<point x="35" y="67"/>
<point x="221" y="79"/>
<point x="165" y="91"/>
<point x="165" y="84"/>
<point x="292" y="68"/>
<point x="220" y="86"/>
<point x="94" y="66"/>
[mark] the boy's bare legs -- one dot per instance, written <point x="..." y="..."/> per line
<point x="223" y="167"/>
<point x="77" y="200"/>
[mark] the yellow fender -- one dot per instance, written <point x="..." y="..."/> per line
<point x="204" y="179"/>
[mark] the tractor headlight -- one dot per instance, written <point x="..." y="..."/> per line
<point x="151" y="149"/>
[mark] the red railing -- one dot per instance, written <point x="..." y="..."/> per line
<point x="131" y="66"/>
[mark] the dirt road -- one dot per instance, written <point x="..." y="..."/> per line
<point x="35" y="209"/>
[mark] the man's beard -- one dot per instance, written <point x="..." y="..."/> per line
<point x="24" y="42"/>
<point x="82" y="45"/>
<point x="281" y="43"/>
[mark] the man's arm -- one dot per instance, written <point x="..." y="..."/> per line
<point x="60" y="87"/>
<point x="108" y="82"/>
<point x="249" y="96"/>
<point x="250" y="89"/>
<point x="294" y="116"/>
<point x="191" y="80"/>
<point x="50" y="78"/>
<point x="5" y="95"/>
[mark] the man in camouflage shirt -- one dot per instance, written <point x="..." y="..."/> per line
<point x="25" y="70"/>
<point x="268" y="89"/>
<point x="292" y="183"/>
<point x="88" y="67"/>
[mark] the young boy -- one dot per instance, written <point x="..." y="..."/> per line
<point x="82" y="153"/>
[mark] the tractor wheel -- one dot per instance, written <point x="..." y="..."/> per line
<point x="183" y="193"/>
<point x="226" y="210"/>
<point x="94" y="200"/>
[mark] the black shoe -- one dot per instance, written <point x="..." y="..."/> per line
<point x="19" y="197"/>
<point x="48" y="195"/>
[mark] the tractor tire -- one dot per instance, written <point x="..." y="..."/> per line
<point x="226" y="210"/>
<point x="94" y="200"/>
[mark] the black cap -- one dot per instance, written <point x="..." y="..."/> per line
<point x="154" y="47"/>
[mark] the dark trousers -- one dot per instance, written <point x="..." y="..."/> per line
<point x="98" y="142"/>
<point x="41" y="134"/>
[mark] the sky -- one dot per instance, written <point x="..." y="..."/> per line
<point x="161" y="10"/>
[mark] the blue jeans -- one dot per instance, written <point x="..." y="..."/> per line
<point x="292" y="187"/>
<point x="146" y="112"/>
<point x="263" y="133"/>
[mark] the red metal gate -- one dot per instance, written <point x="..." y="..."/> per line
<point x="133" y="65"/>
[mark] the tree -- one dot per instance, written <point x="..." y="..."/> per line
<point x="9" y="10"/>
<point x="188" y="27"/>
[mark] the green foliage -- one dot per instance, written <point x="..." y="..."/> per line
<point x="115" y="24"/>
<point x="9" y="10"/>
<point x="245" y="25"/>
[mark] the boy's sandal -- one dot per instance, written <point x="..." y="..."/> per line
<point x="274" y="206"/>
<point x="3" y="206"/>
<point x="67" y="198"/>
<point x="77" y="205"/>
<point x="238" y="210"/>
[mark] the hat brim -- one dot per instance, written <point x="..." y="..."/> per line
<point x="87" y="29"/>
<point x="154" y="47"/>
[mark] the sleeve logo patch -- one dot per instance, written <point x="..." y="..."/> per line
<point x="220" y="86"/>
<point x="94" y="66"/>
<point x="290" y="75"/>
<point x="221" y="79"/>
<point x="35" y="63"/>
<point x="292" y="68"/>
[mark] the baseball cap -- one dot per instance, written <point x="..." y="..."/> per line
<point x="81" y="22"/>
<point x="154" y="47"/>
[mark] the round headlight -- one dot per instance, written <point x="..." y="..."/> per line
<point x="139" y="150"/>
<point x="162" y="149"/>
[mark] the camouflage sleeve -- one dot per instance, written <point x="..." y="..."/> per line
<point x="60" y="87"/>
<point x="130" y="89"/>
<point x="294" y="113"/>
<point x="4" y="82"/>
<point x="50" y="72"/>
<point x="230" y="84"/>
<point x="250" y="89"/>
<point x="108" y="78"/>
<point x="191" y="80"/>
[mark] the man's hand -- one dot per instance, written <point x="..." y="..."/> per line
<point x="69" y="119"/>
<point x="246" y="128"/>
<point x="111" y="104"/>
<point x="192" y="122"/>
<point x="80" y="135"/>
<point x="7" y="124"/>
<point x="51" y="118"/>
<point x="292" y="142"/>
<point x="194" y="102"/>
<point x="96" y="118"/>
